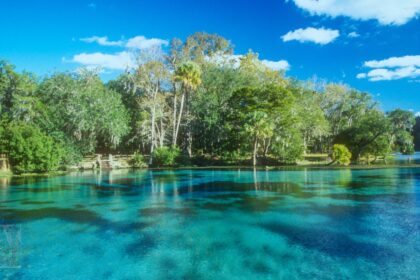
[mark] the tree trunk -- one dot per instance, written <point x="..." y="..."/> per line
<point x="152" y="144"/>
<point x="304" y="146"/>
<point x="179" y="117"/>
<point x="162" y="134"/>
<point x="189" y="137"/>
<point x="174" y="132"/>
<point x="267" y="144"/>
<point x="189" y="141"/>
<point x="254" y="153"/>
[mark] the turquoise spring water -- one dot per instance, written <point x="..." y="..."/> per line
<point x="213" y="224"/>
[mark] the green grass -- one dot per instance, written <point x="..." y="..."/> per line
<point x="5" y="174"/>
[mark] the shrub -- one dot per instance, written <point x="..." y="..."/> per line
<point x="166" y="156"/>
<point x="290" y="149"/>
<point x="138" y="161"/>
<point x="231" y="157"/>
<point x="341" y="155"/>
<point x="31" y="150"/>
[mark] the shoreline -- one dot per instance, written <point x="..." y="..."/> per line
<point x="236" y="167"/>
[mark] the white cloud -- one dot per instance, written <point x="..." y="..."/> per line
<point x="320" y="36"/>
<point x="384" y="11"/>
<point x="393" y="68"/>
<point x="103" y="41"/>
<point x="127" y="58"/>
<point x="353" y="34"/>
<point x="117" y="61"/>
<point x="418" y="114"/>
<point x="402" y="61"/>
<point x="141" y="43"/>
<point x="361" y="75"/>
<point x="120" y="60"/>
<point x="385" y="74"/>
<point x="137" y="42"/>
<point x="276" y="65"/>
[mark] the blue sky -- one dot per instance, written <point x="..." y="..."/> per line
<point x="372" y="45"/>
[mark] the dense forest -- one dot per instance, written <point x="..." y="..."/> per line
<point x="195" y="102"/>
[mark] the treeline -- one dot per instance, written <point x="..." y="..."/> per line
<point x="416" y="134"/>
<point x="194" y="103"/>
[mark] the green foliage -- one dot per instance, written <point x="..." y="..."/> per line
<point x="369" y="135"/>
<point x="288" y="146"/>
<point x="138" y="161"/>
<point x="405" y="143"/>
<point x="14" y="86"/>
<point x="416" y="134"/>
<point x="210" y="107"/>
<point x="166" y="156"/>
<point x="311" y="121"/>
<point x="85" y="110"/>
<point x="196" y="96"/>
<point x="200" y="45"/>
<point x="189" y="74"/>
<point x="231" y="157"/>
<point x="3" y="127"/>
<point x="341" y="155"/>
<point x="402" y="124"/>
<point x="343" y="106"/>
<point x="262" y="120"/>
<point x="31" y="150"/>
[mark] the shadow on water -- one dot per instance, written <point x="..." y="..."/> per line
<point x="163" y="210"/>
<point x="242" y="202"/>
<point x="227" y="186"/>
<point x="144" y="178"/>
<point x="33" y="202"/>
<point x="249" y="197"/>
<point x="79" y="216"/>
<point x="142" y="246"/>
<point x="332" y="243"/>
<point x="71" y="215"/>
<point x="37" y="189"/>
<point x="412" y="174"/>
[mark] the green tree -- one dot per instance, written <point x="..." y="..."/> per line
<point x="200" y="46"/>
<point x="402" y="124"/>
<point x="416" y="134"/>
<point x="259" y="117"/>
<point x="343" y="106"/>
<point x="87" y="112"/>
<point x="150" y="77"/>
<point x="12" y="86"/>
<point x="188" y="75"/>
<point x="259" y="127"/>
<point x="255" y="72"/>
<point x="312" y="122"/>
<point x="211" y="106"/>
<point x="369" y="135"/>
<point x="31" y="150"/>
<point x="341" y="155"/>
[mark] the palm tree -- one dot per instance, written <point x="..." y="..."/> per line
<point x="188" y="74"/>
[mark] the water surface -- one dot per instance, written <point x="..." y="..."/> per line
<point x="212" y="224"/>
<point x="407" y="159"/>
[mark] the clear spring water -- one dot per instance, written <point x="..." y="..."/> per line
<point x="213" y="224"/>
<point x="407" y="159"/>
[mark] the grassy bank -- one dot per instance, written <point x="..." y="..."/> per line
<point x="5" y="174"/>
<point x="310" y="161"/>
